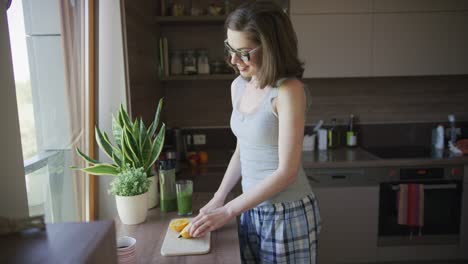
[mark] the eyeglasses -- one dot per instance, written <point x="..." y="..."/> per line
<point x="242" y="54"/>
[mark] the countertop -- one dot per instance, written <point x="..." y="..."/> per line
<point x="150" y="236"/>
<point x="359" y="158"/>
<point x="342" y="157"/>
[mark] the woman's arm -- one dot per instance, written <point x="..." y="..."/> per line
<point x="291" y="106"/>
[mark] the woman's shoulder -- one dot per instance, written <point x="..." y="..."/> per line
<point x="289" y="82"/>
<point x="235" y="85"/>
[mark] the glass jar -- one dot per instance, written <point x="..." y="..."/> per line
<point x="190" y="62"/>
<point x="176" y="62"/>
<point x="203" y="65"/>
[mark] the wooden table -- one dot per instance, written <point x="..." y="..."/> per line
<point x="150" y="236"/>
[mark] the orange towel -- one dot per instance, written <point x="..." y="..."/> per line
<point x="411" y="205"/>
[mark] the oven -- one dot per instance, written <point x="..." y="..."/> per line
<point x="431" y="195"/>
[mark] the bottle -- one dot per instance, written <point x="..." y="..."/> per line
<point x="439" y="137"/>
<point x="176" y="62"/>
<point x="351" y="138"/>
<point x="168" y="198"/>
<point x="333" y="139"/>
<point x="202" y="62"/>
<point x="190" y="63"/>
<point x="453" y="130"/>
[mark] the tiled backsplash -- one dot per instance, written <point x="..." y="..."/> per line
<point x="369" y="135"/>
<point x="383" y="100"/>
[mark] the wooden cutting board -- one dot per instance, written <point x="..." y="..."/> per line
<point x="174" y="246"/>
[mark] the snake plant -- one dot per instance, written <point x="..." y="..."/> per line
<point x="133" y="144"/>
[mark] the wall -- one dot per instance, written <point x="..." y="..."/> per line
<point x="111" y="87"/>
<point x="382" y="100"/>
<point x="389" y="100"/>
<point x="13" y="200"/>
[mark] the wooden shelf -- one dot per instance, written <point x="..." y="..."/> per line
<point x="199" y="77"/>
<point x="190" y="19"/>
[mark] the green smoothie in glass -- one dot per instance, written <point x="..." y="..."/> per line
<point x="184" y="197"/>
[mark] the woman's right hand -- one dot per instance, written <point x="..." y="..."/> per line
<point x="214" y="203"/>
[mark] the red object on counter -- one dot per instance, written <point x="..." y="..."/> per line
<point x="462" y="144"/>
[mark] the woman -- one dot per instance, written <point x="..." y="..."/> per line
<point x="279" y="220"/>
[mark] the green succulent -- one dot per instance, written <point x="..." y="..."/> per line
<point x="130" y="182"/>
<point x="134" y="144"/>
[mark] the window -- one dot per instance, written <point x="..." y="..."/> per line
<point x="49" y="76"/>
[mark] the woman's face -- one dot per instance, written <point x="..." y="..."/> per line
<point x="238" y="41"/>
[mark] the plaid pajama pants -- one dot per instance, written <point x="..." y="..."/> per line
<point x="281" y="232"/>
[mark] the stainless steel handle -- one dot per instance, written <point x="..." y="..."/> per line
<point x="431" y="187"/>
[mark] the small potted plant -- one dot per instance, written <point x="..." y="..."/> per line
<point x="130" y="188"/>
<point x="133" y="144"/>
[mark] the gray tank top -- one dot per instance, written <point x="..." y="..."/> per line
<point x="257" y="135"/>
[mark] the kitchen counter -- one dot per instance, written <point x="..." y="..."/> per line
<point x="358" y="158"/>
<point x="342" y="157"/>
<point x="150" y="236"/>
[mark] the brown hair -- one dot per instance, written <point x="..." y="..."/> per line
<point x="268" y="25"/>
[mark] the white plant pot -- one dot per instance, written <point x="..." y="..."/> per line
<point x="153" y="197"/>
<point x="132" y="209"/>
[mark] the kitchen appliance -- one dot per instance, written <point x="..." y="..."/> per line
<point x="442" y="199"/>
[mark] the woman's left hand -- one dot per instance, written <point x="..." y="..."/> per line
<point x="207" y="222"/>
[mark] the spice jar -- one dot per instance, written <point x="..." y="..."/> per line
<point x="190" y="62"/>
<point x="202" y="62"/>
<point x="176" y="62"/>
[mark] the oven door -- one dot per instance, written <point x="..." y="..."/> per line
<point x="441" y="214"/>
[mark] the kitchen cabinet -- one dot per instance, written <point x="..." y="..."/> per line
<point x="381" y="38"/>
<point x="464" y="216"/>
<point x="410" y="44"/>
<point x="458" y="42"/>
<point x="348" y="199"/>
<point x="420" y="43"/>
<point x="330" y="6"/>
<point x="349" y="224"/>
<point x="419" y="5"/>
<point x="336" y="45"/>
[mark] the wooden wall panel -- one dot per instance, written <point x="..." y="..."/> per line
<point x="373" y="100"/>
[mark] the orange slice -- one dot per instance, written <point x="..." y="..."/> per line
<point x="178" y="224"/>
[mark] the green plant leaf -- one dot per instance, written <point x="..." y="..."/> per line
<point x="116" y="131"/>
<point x="131" y="146"/>
<point x="126" y="120"/>
<point x="87" y="158"/>
<point x="156" y="148"/>
<point x="126" y="155"/>
<point x="155" y="123"/>
<point x="142" y="138"/>
<point x="102" y="169"/>
<point x="103" y="144"/>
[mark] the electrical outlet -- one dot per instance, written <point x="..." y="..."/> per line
<point x="199" y="139"/>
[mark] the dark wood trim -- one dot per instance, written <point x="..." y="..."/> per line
<point x="125" y="56"/>
<point x="91" y="102"/>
